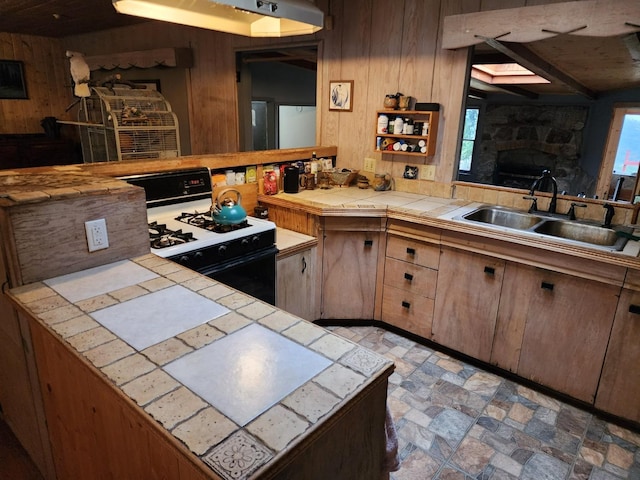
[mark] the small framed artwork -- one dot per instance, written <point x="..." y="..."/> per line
<point x="12" y="84"/>
<point x="341" y="95"/>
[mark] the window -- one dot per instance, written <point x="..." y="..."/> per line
<point x="628" y="152"/>
<point x="622" y="152"/>
<point x="468" y="137"/>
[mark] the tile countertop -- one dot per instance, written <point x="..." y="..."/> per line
<point x="285" y="375"/>
<point x="414" y="206"/>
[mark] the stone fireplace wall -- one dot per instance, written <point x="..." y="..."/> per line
<point x="516" y="143"/>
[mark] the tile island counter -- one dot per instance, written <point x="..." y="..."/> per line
<point x="142" y="360"/>
<point x="149" y="370"/>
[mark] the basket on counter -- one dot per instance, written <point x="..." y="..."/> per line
<point x="343" y="177"/>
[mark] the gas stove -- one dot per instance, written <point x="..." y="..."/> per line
<point x="196" y="229"/>
<point x="181" y="229"/>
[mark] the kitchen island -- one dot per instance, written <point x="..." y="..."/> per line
<point x="126" y="365"/>
<point x="149" y="370"/>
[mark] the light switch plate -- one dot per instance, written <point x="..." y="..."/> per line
<point x="369" y="165"/>
<point x="428" y="172"/>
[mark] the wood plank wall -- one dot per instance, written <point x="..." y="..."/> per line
<point x="46" y="72"/>
<point x="383" y="47"/>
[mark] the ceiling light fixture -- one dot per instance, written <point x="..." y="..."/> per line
<point x="252" y="18"/>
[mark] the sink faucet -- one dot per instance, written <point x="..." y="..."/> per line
<point x="546" y="174"/>
<point x="572" y="210"/>
<point x="608" y="215"/>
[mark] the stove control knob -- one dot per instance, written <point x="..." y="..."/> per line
<point x="255" y="239"/>
<point x="198" y="255"/>
<point x="244" y="242"/>
<point x="184" y="259"/>
<point x="222" y="249"/>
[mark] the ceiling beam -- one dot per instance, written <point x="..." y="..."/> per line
<point x="537" y="65"/>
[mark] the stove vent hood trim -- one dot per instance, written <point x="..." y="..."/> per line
<point x="251" y="18"/>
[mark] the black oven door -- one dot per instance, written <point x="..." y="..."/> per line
<point x="253" y="274"/>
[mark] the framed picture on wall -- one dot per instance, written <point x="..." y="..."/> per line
<point x="12" y="84"/>
<point x="341" y="95"/>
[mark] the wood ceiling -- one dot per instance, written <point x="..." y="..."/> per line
<point x="60" y="18"/>
<point x="589" y="64"/>
<point x="574" y="65"/>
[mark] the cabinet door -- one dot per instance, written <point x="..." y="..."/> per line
<point x="619" y="389"/>
<point x="467" y="298"/>
<point x="567" y="321"/>
<point x="349" y="265"/>
<point x="296" y="290"/>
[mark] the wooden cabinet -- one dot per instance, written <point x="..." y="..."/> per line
<point x="410" y="276"/>
<point x="619" y="388"/>
<point x="296" y="287"/>
<point x="349" y="266"/>
<point x="564" y="324"/>
<point x="467" y="299"/>
<point x="415" y="144"/>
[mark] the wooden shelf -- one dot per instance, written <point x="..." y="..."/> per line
<point x="421" y="116"/>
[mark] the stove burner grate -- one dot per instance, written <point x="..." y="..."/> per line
<point x="162" y="237"/>
<point x="206" y="221"/>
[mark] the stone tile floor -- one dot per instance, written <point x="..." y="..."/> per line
<point x="457" y="422"/>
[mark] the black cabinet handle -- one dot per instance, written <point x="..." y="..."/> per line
<point x="634" y="308"/>
<point x="411" y="251"/>
<point x="368" y="243"/>
<point x="408" y="276"/>
<point x="304" y="265"/>
<point x="547" y="286"/>
<point x="489" y="270"/>
<point x="406" y="305"/>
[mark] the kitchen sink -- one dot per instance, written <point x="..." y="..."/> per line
<point x="503" y="217"/>
<point x="540" y="223"/>
<point x="580" y="232"/>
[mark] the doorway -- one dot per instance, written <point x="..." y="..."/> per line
<point x="276" y="90"/>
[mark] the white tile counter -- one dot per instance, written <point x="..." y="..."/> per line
<point x="215" y="367"/>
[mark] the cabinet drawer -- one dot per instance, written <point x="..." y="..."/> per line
<point x="411" y="278"/>
<point x="409" y="311"/>
<point x="413" y="251"/>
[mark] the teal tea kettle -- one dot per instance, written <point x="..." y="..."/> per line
<point x="228" y="211"/>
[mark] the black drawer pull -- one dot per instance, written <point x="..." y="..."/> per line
<point x="547" y="286"/>
<point x="634" y="308"/>
<point x="411" y="251"/>
<point x="408" y="276"/>
<point x="406" y="304"/>
<point x="368" y="243"/>
<point x="489" y="270"/>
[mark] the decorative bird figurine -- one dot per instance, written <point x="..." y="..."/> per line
<point x="80" y="73"/>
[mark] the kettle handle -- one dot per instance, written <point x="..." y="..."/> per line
<point x="225" y="190"/>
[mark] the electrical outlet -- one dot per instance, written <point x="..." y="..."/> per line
<point x="97" y="237"/>
<point x="428" y="172"/>
<point x="369" y="165"/>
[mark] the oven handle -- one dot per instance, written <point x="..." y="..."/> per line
<point x="236" y="261"/>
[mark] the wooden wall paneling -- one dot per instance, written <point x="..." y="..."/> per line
<point x="448" y="90"/>
<point x="329" y="68"/>
<point x="43" y="60"/>
<point x="13" y="118"/>
<point x="388" y="34"/>
<point x="352" y="132"/>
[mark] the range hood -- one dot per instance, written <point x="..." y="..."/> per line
<point x="252" y="18"/>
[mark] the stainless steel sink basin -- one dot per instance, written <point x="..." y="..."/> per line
<point x="593" y="234"/>
<point x="568" y="231"/>
<point x="503" y="217"/>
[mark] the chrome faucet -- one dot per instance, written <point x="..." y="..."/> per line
<point x="546" y="174"/>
